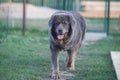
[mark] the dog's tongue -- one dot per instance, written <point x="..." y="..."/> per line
<point x="60" y="37"/>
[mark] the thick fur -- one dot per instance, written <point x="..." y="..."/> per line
<point x="73" y="26"/>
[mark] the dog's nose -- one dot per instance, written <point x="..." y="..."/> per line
<point x="60" y="31"/>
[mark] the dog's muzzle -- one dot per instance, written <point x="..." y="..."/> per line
<point x="60" y="30"/>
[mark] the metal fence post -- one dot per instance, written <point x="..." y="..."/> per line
<point x="105" y="19"/>
<point x="24" y="17"/>
<point x="108" y="16"/>
<point x="58" y="4"/>
<point x="42" y="2"/>
<point x="64" y="4"/>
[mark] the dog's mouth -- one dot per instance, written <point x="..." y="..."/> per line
<point x="60" y="36"/>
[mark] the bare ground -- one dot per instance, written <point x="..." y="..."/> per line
<point x="15" y="10"/>
<point x="64" y="75"/>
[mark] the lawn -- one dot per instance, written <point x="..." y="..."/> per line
<point x="28" y="57"/>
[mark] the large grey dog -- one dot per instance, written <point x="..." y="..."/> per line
<point x="66" y="31"/>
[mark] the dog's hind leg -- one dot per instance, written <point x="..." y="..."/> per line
<point x="71" y="59"/>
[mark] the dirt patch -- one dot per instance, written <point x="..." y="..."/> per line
<point x="96" y="9"/>
<point x="64" y="75"/>
<point x="15" y="10"/>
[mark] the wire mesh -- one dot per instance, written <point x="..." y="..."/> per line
<point x="94" y="12"/>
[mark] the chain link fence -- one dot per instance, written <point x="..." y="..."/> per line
<point x="39" y="11"/>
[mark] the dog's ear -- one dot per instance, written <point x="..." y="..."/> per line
<point x="50" y="22"/>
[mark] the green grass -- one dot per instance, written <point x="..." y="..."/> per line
<point x="28" y="57"/>
<point x="98" y="25"/>
<point x="24" y="57"/>
<point x="97" y="64"/>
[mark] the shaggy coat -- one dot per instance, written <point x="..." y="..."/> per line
<point x="66" y="32"/>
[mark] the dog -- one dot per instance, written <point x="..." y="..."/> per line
<point x="66" y="32"/>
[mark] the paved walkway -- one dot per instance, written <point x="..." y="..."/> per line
<point x="92" y="36"/>
<point x="116" y="62"/>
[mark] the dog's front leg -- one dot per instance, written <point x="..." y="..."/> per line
<point x="55" y="64"/>
<point x="71" y="59"/>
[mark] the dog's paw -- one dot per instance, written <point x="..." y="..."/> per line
<point x="55" y="76"/>
<point x="70" y="67"/>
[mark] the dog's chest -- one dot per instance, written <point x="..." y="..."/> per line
<point x="63" y="46"/>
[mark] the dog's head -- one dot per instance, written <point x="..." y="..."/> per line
<point x="61" y="26"/>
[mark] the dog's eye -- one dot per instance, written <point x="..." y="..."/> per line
<point x="56" y="23"/>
